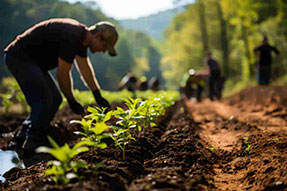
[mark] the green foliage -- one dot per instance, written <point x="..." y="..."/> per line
<point x="12" y="95"/>
<point x="122" y="138"/>
<point x="17" y="16"/>
<point x="64" y="169"/>
<point x="245" y="22"/>
<point x="94" y="127"/>
<point x="211" y="149"/>
<point x="130" y="118"/>
<point x="6" y="102"/>
<point x="247" y="149"/>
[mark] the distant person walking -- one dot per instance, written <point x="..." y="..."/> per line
<point x="263" y="66"/>
<point x="50" y="44"/>
<point x="214" y="80"/>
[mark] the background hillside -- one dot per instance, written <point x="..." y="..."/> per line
<point x="136" y="51"/>
<point x="152" y="25"/>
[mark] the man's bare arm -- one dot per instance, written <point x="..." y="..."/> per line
<point x="84" y="66"/>
<point x="64" y="78"/>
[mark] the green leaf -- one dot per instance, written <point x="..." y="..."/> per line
<point x="53" y="143"/>
<point x="43" y="149"/>
<point x="108" y="116"/>
<point x="101" y="145"/>
<point x="99" y="128"/>
<point x="71" y="175"/>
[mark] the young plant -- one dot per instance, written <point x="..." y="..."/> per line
<point x="128" y="120"/>
<point x="94" y="127"/>
<point x="153" y="109"/>
<point x="15" y="92"/>
<point x="93" y="133"/>
<point x="22" y="101"/>
<point x="247" y="143"/>
<point x="131" y="118"/>
<point x="6" y="102"/>
<point x="122" y="137"/>
<point x="64" y="169"/>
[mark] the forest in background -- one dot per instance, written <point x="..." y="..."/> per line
<point x="231" y="29"/>
<point x="136" y="51"/>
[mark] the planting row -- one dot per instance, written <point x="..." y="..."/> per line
<point x="96" y="131"/>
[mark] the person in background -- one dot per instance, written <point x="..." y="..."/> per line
<point x="55" y="43"/>
<point x="153" y="84"/>
<point x="214" y="80"/>
<point x="263" y="66"/>
<point x="128" y="82"/>
<point x="142" y="84"/>
<point x="195" y="78"/>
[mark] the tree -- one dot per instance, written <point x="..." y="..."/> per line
<point x="224" y="38"/>
<point x="203" y="28"/>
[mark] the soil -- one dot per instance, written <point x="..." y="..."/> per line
<point x="238" y="143"/>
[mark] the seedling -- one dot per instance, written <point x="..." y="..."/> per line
<point x="211" y="149"/>
<point x="181" y="110"/>
<point x="122" y="138"/>
<point x="248" y="145"/>
<point x="131" y="118"/>
<point x="6" y="102"/>
<point x="276" y="140"/>
<point x="14" y="92"/>
<point x="94" y="127"/>
<point x="245" y="140"/>
<point x="64" y="169"/>
<point x="231" y="117"/>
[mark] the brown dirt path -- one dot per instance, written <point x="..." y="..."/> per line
<point x="211" y="114"/>
<point x="224" y="126"/>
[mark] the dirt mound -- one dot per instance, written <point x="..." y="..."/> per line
<point x="260" y="96"/>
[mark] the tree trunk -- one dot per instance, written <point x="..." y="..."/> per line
<point x="246" y="66"/>
<point x="224" y="40"/>
<point x="203" y="28"/>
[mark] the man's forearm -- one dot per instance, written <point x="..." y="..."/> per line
<point x="87" y="73"/>
<point x="65" y="83"/>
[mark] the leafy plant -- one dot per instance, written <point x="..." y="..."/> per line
<point x="131" y="118"/>
<point x="64" y="169"/>
<point x="211" y="149"/>
<point x="276" y="140"/>
<point x="93" y="133"/>
<point x="13" y="89"/>
<point x="122" y="138"/>
<point x="247" y="143"/>
<point x="94" y="127"/>
<point x="6" y="102"/>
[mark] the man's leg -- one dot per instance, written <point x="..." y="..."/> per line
<point x="56" y="96"/>
<point x="39" y="128"/>
<point x="199" y="92"/>
<point x="211" y="88"/>
<point x="36" y="86"/>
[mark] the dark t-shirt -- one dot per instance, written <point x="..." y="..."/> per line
<point x="50" y="39"/>
<point x="265" y="54"/>
<point x="213" y="65"/>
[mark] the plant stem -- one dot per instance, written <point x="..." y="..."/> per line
<point x="124" y="153"/>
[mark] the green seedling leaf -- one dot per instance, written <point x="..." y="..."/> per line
<point x="248" y="148"/>
<point x="276" y="140"/>
<point x="211" y="149"/>
<point x="245" y="140"/>
<point x="99" y="128"/>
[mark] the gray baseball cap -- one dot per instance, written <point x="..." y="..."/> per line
<point x="110" y="35"/>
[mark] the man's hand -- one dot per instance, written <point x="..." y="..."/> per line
<point x="76" y="107"/>
<point x="100" y="100"/>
